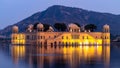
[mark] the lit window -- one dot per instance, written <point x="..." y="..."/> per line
<point x="105" y="37"/>
<point x="67" y="37"/>
<point x="87" y="37"/>
<point x="83" y="37"/>
<point x="75" y="36"/>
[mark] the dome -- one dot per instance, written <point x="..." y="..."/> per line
<point x="30" y="26"/>
<point x="40" y="26"/>
<point x="73" y="28"/>
<point x="106" y="26"/>
<point x="15" y="29"/>
<point x="72" y="25"/>
<point x="50" y="29"/>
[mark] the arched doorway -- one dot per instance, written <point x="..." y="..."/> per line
<point x="55" y="43"/>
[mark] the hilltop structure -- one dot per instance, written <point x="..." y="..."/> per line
<point x="73" y="36"/>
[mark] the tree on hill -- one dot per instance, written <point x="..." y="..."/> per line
<point x="35" y="26"/>
<point x="90" y="27"/>
<point x="78" y="24"/>
<point x="63" y="27"/>
<point x="46" y="27"/>
<point x="60" y="26"/>
<point x="57" y="26"/>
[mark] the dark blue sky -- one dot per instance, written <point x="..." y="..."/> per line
<point x="13" y="11"/>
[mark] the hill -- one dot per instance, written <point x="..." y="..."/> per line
<point x="68" y="15"/>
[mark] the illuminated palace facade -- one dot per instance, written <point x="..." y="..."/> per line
<point x="74" y="36"/>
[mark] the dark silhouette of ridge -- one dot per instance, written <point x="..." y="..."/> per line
<point x="68" y="15"/>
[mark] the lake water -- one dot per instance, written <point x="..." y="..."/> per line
<point x="83" y="56"/>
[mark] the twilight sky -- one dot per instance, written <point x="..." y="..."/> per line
<point x="13" y="11"/>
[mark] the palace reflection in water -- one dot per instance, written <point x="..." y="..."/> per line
<point x="62" y="56"/>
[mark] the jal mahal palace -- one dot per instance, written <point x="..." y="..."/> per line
<point x="73" y="36"/>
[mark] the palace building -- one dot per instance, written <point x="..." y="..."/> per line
<point x="73" y="36"/>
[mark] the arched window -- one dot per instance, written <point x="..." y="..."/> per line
<point x="55" y="43"/>
<point x="51" y="44"/>
<point x="59" y="43"/>
<point x="83" y="37"/>
<point x="66" y="37"/>
<point x="105" y="37"/>
<point x="66" y="43"/>
<point x="87" y="37"/>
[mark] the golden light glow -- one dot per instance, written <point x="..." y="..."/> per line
<point x="87" y="53"/>
<point x="69" y="38"/>
<point x="70" y="54"/>
<point x="18" y="39"/>
<point x="17" y="52"/>
<point x="88" y="39"/>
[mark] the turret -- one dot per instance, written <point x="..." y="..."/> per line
<point x="15" y="29"/>
<point x="106" y="34"/>
<point x="106" y="28"/>
<point x="30" y="28"/>
<point x="40" y="27"/>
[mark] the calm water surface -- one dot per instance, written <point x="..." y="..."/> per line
<point x="59" y="56"/>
